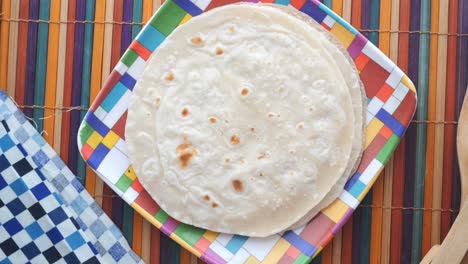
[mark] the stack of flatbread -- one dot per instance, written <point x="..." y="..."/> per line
<point x="248" y="119"/>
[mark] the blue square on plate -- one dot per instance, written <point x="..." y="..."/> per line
<point x="98" y="155"/>
<point x="54" y="235"/>
<point x="151" y="37"/>
<point x="313" y="11"/>
<point x="18" y="186"/>
<point x="34" y="230"/>
<point x="13" y="226"/>
<point x="128" y="81"/>
<point x="97" y="124"/>
<point x="40" y="191"/>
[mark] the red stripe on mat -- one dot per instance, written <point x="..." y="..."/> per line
<point x="64" y="149"/>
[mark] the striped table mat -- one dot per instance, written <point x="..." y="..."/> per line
<point x="55" y="55"/>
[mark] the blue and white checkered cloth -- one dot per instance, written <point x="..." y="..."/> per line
<point x="46" y="216"/>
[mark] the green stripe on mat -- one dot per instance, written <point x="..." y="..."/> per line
<point x="366" y="222"/>
<point x="127" y="223"/>
<point x="86" y="74"/>
<point x="423" y="81"/>
<point x="137" y="18"/>
<point x="41" y="63"/>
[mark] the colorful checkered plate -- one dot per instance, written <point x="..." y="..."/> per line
<point x="391" y="99"/>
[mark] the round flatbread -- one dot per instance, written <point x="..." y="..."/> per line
<point x="241" y="122"/>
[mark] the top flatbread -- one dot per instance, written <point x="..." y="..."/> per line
<point x="241" y="122"/>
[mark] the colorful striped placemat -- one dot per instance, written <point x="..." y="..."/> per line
<point x="406" y="31"/>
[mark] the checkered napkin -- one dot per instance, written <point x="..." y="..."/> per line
<point x="46" y="216"/>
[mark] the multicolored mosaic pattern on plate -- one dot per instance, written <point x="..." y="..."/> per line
<point x="391" y="105"/>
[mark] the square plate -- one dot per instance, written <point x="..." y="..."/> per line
<point x="391" y="99"/>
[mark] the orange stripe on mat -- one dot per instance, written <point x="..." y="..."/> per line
<point x="51" y="74"/>
<point x="137" y="233"/>
<point x="4" y="32"/>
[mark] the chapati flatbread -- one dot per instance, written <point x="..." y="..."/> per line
<point x="241" y="122"/>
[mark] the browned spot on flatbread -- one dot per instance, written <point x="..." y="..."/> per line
<point x="185" y="152"/>
<point x="196" y="40"/>
<point x="252" y="129"/>
<point x="227" y="160"/>
<point x="185" y="112"/>
<point x="214" y="205"/>
<point x="183" y="147"/>
<point x="185" y="158"/>
<point x="231" y="29"/>
<point x="262" y="156"/>
<point x="212" y="120"/>
<point x="244" y="91"/>
<point x="169" y="77"/>
<point x="235" y="140"/>
<point x="238" y="185"/>
<point x="206" y="198"/>
<point x="219" y="51"/>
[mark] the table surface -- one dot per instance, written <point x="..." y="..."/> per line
<point x="55" y="55"/>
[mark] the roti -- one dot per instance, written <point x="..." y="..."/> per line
<point x="241" y="122"/>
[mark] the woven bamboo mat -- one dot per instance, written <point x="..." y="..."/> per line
<point x="55" y="55"/>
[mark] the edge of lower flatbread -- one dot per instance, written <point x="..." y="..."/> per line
<point x="358" y="98"/>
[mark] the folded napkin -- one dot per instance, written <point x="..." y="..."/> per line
<point x="46" y="216"/>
